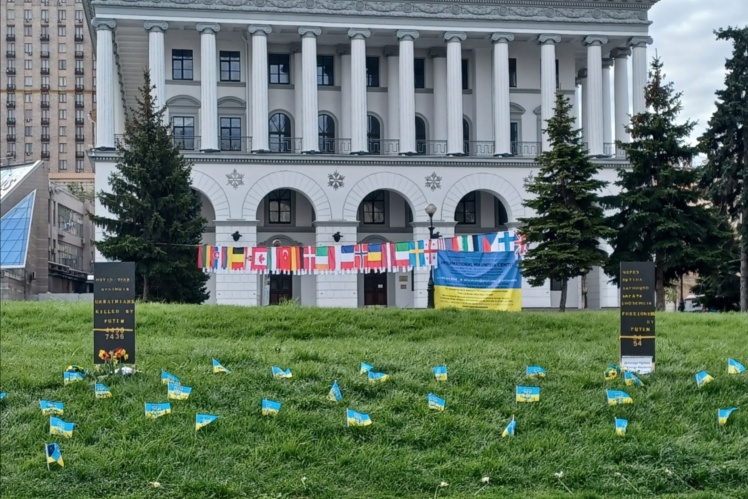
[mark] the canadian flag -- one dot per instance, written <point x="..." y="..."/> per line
<point x="259" y="259"/>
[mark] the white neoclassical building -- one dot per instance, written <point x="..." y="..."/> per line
<point x="309" y="118"/>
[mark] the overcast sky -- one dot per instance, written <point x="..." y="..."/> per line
<point x="694" y="59"/>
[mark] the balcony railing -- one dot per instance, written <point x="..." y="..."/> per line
<point x="45" y="105"/>
<point x="10" y="86"/>
<point x="78" y="121"/>
<point x="78" y="38"/>
<point x="45" y="121"/>
<point x="44" y="37"/>
<point x="10" y="104"/>
<point x="11" y="138"/>
<point x="10" y="38"/>
<point x="79" y="105"/>
<point x="431" y="147"/>
<point x="79" y="138"/>
<point x="525" y="149"/>
<point x="386" y="147"/>
<point x="11" y="71"/>
<point x="45" y="154"/>
<point x="79" y="71"/>
<point x="10" y="121"/>
<point x="45" y="71"/>
<point x="80" y="154"/>
<point x="80" y="88"/>
<point x="334" y="146"/>
<point x="10" y="54"/>
<point x="45" y="88"/>
<point x="79" y="54"/>
<point x="45" y="138"/>
<point x="44" y="54"/>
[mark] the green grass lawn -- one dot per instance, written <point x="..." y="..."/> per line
<point x="673" y="446"/>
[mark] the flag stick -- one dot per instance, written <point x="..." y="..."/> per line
<point x="46" y="453"/>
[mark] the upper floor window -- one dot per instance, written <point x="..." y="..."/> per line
<point x="465" y="213"/>
<point x="374" y="135"/>
<point x="279" y="206"/>
<point x="326" y="126"/>
<point x="512" y="72"/>
<point x="419" y="73"/>
<point x="465" y="78"/>
<point x="183" y="130"/>
<point x="279" y="69"/>
<point x="230" y="67"/>
<point x="325" y="68"/>
<point x="420" y="135"/>
<point x="231" y="134"/>
<point x="372" y="208"/>
<point x="372" y="71"/>
<point x="465" y="137"/>
<point x="279" y="130"/>
<point x="181" y="64"/>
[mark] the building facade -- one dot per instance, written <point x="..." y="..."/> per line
<point x="308" y="119"/>
<point x="48" y="87"/>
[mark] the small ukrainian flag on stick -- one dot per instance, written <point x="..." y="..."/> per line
<point x="621" y="425"/>
<point x="218" y="368"/>
<point x="734" y="367"/>
<point x="527" y="394"/>
<point x="440" y="373"/>
<point x="72" y="377"/>
<point x="178" y="392"/>
<point x="631" y="379"/>
<point x="167" y="378"/>
<point x="51" y="408"/>
<point x="618" y="397"/>
<point x="101" y="391"/>
<point x="723" y="414"/>
<point x="378" y="377"/>
<point x="535" y="372"/>
<point x="365" y="368"/>
<point x="202" y="420"/>
<point x="59" y="427"/>
<point x="436" y="403"/>
<point x="53" y="454"/>
<point x="153" y="411"/>
<point x="702" y="378"/>
<point x="509" y="430"/>
<point x="354" y="418"/>
<point x="270" y="407"/>
<point x="334" y="394"/>
<point x="279" y="373"/>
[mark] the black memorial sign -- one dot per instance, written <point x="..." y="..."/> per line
<point x="638" y="310"/>
<point x="114" y="310"/>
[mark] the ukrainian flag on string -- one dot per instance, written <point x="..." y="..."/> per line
<point x="101" y="391"/>
<point x="59" y="427"/>
<point x="354" y="418"/>
<point x="365" y="368"/>
<point x="378" y="377"/>
<point x="734" y="367"/>
<point x="478" y="280"/>
<point x="510" y="428"/>
<point x="440" y="373"/>
<point x="334" y="393"/>
<point x="617" y="397"/>
<point x="621" y="425"/>
<point x="535" y="372"/>
<point x="631" y="379"/>
<point x="153" y="411"/>
<point x="202" y="420"/>
<point x="436" y="403"/>
<point x="218" y="368"/>
<point x="53" y="454"/>
<point x="702" y="378"/>
<point x="72" y="377"/>
<point x="167" y="378"/>
<point x="270" y="407"/>
<point x="281" y="373"/>
<point x="723" y="414"/>
<point x="178" y="392"/>
<point x="527" y="394"/>
<point x="51" y="408"/>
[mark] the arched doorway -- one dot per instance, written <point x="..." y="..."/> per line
<point x="479" y="212"/>
<point x="209" y="237"/>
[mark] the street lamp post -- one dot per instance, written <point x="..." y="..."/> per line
<point x="430" y="210"/>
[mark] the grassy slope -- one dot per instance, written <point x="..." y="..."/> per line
<point x="674" y="445"/>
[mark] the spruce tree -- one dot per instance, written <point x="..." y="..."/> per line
<point x="725" y="143"/>
<point x="568" y="221"/>
<point x="156" y="220"/>
<point x="661" y="217"/>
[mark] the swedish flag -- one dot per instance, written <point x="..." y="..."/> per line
<point x="612" y="372"/>
<point x="440" y="372"/>
<point x="617" y="397"/>
<point x="167" y="378"/>
<point x="702" y="378"/>
<point x="178" y="392"/>
<point x="365" y="368"/>
<point x="203" y="420"/>
<point x="436" y="403"/>
<point x="335" y="394"/>
<point x="535" y="372"/>
<point x="281" y="373"/>
<point x="734" y="367"/>
<point x="101" y="391"/>
<point x="509" y="430"/>
<point x="354" y="418"/>
<point x="218" y="368"/>
<point x="153" y="411"/>
<point x="51" y="408"/>
<point x="527" y="394"/>
<point x="621" y="425"/>
<point x="723" y="414"/>
<point x="72" y="377"/>
<point x="59" y="427"/>
<point x="631" y="379"/>
<point x="53" y="454"/>
<point x="378" y="377"/>
<point x="270" y="407"/>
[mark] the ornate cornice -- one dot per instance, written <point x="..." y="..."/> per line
<point x="577" y="11"/>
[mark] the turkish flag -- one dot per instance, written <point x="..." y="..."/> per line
<point x="284" y="259"/>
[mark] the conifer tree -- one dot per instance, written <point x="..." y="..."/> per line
<point x="661" y="217"/>
<point x="568" y="221"/>
<point x="156" y="220"/>
<point x="725" y="143"/>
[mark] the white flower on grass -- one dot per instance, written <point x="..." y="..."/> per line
<point x="485" y="480"/>
<point x="154" y="484"/>
<point x="444" y="484"/>
<point x="559" y="474"/>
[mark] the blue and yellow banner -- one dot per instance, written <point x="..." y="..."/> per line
<point x="334" y="393"/>
<point x="101" y="391"/>
<point x="621" y="425"/>
<point x="734" y="367"/>
<point x="202" y="420"/>
<point x="53" y="454"/>
<point x="167" y="378"/>
<point x="378" y="377"/>
<point x="436" y="403"/>
<point x="270" y="407"/>
<point x="527" y="394"/>
<point x="353" y="418"/>
<point x="440" y="373"/>
<point x="51" y="408"/>
<point x="153" y="411"/>
<point x="178" y="392"/>
<point x="510" y="428"/>
<point x="723" y="414"/>
<point x="702" y="378"/>
<point x="219" y="368"/>
<point x="59" y="427"/>
<point x="618" y="397"/>
<point x="535" y="372"/>
<point x="480" y="281"/>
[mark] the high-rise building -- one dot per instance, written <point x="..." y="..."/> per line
<point x="48" y="87"/>
<point x="311" y="122"/>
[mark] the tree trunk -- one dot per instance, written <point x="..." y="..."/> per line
<point x="145" y="287"/>
<point x="564" y="288"/>
<point x="744" y="276"/>
<point x="584" y="291"/>
<point x="659" y="286"/>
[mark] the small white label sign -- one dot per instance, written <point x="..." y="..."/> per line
<point x="639" y="365"/>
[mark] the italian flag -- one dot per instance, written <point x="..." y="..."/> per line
<point x="400" y="255"/>
<point x="324" y="260"/>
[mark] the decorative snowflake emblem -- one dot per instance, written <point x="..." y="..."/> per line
<point x="529" y="180"/>
<point x="433" y="182"/>
<point x="335" y="180"/>
<point x="235" y="179"/>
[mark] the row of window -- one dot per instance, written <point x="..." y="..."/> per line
<point x="28" y="48"/>
<point x="61" y="114"/>
<point x="28" y="15"/>
<point x="62" y="82"/>
<point x="62" y="98"/>
<point x="62" y="131"/>
<point x="62" y="64"/>
<point x="28" y="30"/>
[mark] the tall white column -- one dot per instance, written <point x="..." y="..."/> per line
<point x="583" y="91"/>
<point x="344" y="51"/>
<point x="501" y="100"/>
<point x="359" y="128"/>
<point x="298" y="107"/>
<point x="621" y="77"/>
<point x="439" y="63"/>
<point x="547" y="82"/>
<point x="407" y="110"/>
<point x="208" y="87"/>
<point x="594" y="99"/>
<point x="157" y="62"/>
<point x="639" y="71"/>
<point x="260" y="116"/>
<point x="392" y="127"/>
<point x="455" y="143"/>
<point x="104" y="83"/>
<point x="310" y="112"/>
<point x="607" y="118"/>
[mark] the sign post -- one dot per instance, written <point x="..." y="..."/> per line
<point x="114" y="309"/>
<point x="638" y="316"/>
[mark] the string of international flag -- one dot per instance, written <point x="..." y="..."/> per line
<point x="351" y="258"/>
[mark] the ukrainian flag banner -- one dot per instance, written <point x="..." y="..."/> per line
<point x="178" y="392"/>
<point x="101" y="391"/>
<point x="436" y="403"/>
<point x="734" y="367"/>
<point x="59" y="427"/>
<point x="153" y="411"/>
<point x="353" y="418"/>
<point x="202" y="420"/>
<point x="723" y="414"/>
<point x="167" y="378"/>
<point x="617" y="397"/>
<point x="621" y="425"/>
<point x="281" y="373"/>
<point x="334" y="394"/>
<point x="527" y="394"/>
<point x="440" y="373"/>
<point x="53" y="454"/>
<point x="535" y="372"/>
<point x="702" y="378"/>
<point x="270" y="407"/>
<point x="51" y="408"/>
<point x="631" y="379"/>
<point x="477" y="280"/>
<point x="510" y="428"/>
